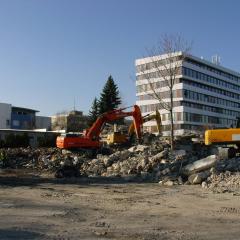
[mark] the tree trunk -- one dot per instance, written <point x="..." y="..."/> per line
<point x="172" y="130"/>
<point x="171" y="118"/>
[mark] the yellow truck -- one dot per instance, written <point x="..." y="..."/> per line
<point x="230" y="137"/>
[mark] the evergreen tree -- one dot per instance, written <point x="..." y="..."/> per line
<point x="109" y="99"/>
<point x="94" y="112"/>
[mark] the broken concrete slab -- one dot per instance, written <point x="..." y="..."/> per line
<point x="200" y="165"/>
<point x="138" y="148"/>
<point x="198" y="178"/>
<point x="159" y="156"/>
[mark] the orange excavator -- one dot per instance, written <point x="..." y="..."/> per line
<point x="90" y="139"/>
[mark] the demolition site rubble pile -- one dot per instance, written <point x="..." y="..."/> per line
<point x="154" y="162"/>
<point x="224" y="176"/>
<point x="150" y="162"/>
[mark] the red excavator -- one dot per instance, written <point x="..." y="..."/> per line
<point x="90" y="139"/>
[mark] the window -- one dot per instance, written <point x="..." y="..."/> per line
<point x="16" y="123"/>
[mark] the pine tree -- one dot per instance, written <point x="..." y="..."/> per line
<point x="109" y="99"/>
<point x="94" y="112"/>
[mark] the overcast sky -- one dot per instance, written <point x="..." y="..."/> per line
<point x="52" y="51"/>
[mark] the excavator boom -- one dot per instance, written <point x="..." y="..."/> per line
<point x="147" y="118"/>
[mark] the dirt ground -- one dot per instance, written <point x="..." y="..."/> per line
<point x="33" y="207"/>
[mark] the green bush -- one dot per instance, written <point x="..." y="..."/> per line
<point x="3" y="159"/>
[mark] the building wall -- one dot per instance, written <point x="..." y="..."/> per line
<point x="73" y="121"/>
<point x="5" y="115"/>
<point x="43" y="122"/>
<point x="33" y="136"/>
<point x="59" y="122"/>
<point x="205" y="95"/>
<point x="23" y="121"/>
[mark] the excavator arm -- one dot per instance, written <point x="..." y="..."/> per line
<point x="96" y="128"/>
<point x="147" y="118"/>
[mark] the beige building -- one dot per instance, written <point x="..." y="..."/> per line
<point x="73" y="121"/>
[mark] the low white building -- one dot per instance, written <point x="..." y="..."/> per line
<point x="206" y="95"/>
<point x="5" y="115"/>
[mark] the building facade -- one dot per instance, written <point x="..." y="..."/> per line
<point x="23" y="118"/>
<point x="19" y="118"/>
<point x="5" y="115"/>
<point x="43" y="122"/>
<point x="73" y="121"/>
<point x="205" y="95"/>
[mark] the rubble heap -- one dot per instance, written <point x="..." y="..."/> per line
<point x="224" y="177"/>
<point x="153" y="161"/>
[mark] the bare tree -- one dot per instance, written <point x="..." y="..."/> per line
<point x="161" y="68"/>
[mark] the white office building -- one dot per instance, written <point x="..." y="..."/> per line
<point x="5" y="115"/>
<point x="206" y="95"/>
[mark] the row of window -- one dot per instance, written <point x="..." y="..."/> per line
<point x="154" y="85"/>
<point x="210" y="108"/>
<point x="192" y="127"/>
<point x="206" y="78"/>
<point x="153" y="129"/>
<point x="198" y="118"/>
<point x="145" y="97"/>
<point x="209" y="99"/>
<point x="185" y="127"/>
<point x="161" y="95"/>
<point x="193" y="96"/>
<point x="156" y="64"/>
<point x="217" y="71"/>
<point x="150" y="107"/>
<point x="153" y="107"/>
<point x="149" y="87"/>
<point x="193" y="117"/>
<point x="212" y="89"/>
<point x="160" y="74"/>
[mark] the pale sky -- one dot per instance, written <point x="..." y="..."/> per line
<point x="54" y="51"/>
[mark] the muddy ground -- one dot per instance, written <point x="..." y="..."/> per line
<point x="33" y="207"/>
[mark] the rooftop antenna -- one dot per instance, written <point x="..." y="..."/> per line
<point x="216" y="59"/>
<point x="74" y="104"/>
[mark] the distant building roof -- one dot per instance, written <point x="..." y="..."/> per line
<point x="14" y="108"/>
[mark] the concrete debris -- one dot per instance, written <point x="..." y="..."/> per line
<point x="225" y="176"/>
<point x="138" y="148"/>
<point x="179" y="153"/>
<point x="200" y="165"/>
<point x="204" y="185"/>
<point x="160" y="155"/>
<point x="153" y="162"/>
<point x="198" y="178"/>
<point x="168" y="183"/>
